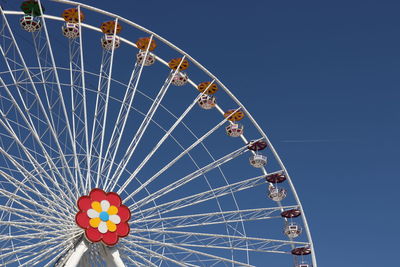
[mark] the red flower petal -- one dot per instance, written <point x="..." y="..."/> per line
<point x="114" y="199"/>
<point x="124" y="213"/>
<point x="93" y="235"/>
<point x="84" y="203"/>
<point x="110" y="238"/>
<point x="123" y="229"/>
<point x="97" y="195"/>
<point x="82" y="220"/>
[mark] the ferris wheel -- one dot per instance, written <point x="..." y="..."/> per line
<point x="119" y="149"/>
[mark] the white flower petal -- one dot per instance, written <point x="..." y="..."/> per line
<point x="103" y="227"/>
<point x="105" y="205"/>
<point x="92" y="213"/>
<point x="115" y="219"/>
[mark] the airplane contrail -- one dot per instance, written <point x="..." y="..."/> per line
<point x="311" y="140"/>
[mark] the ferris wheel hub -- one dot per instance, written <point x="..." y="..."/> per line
<point x="103" y="217"/>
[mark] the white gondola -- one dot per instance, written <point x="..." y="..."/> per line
<point x="179" y="78"/>
<point x="207" y="101"/>
<point x="292" y="230"/>
<point x="30" y="23"/>
<point x="150" y="58"/>
<point x="258" y="160"/>
<point x="234" y="129"/>
<point x="107" y="41"/>
<point x="277" y="194"/>
<point x="70" y="30"/>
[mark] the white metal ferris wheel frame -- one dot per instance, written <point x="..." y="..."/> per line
<point x="155" y="36"/>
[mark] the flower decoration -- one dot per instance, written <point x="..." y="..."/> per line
<point x="103" y="217"/>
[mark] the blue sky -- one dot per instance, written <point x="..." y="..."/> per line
<point x="322" y="80"/>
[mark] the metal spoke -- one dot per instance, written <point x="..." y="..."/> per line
<point x="189" y="177"/>
<point x="32" y="159"/>
<point x="158" y="255"/>
<point x="206" y="240"/>
<point x="136" y="254"/>
<point x="218" y="259"/>
<point x="101" y="109"/>
<point x="41" y="256"/>
<point x="201" y="197"/>
<point x="123" y="116"/>
<point x="142" y="128"/>
<point x="38" y="102"/>
<point x="34" y="246"/>
<point x="80" y="143"/>
<point x="166" y="135"/>
<point x="31" y="179"/>
<point x="204" y="219"/>
<point x="172" y="162"/>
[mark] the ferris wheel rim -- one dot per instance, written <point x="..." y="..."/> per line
<point x="222" y="86"/>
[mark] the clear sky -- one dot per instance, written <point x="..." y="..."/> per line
<point x="322" y="79"/>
